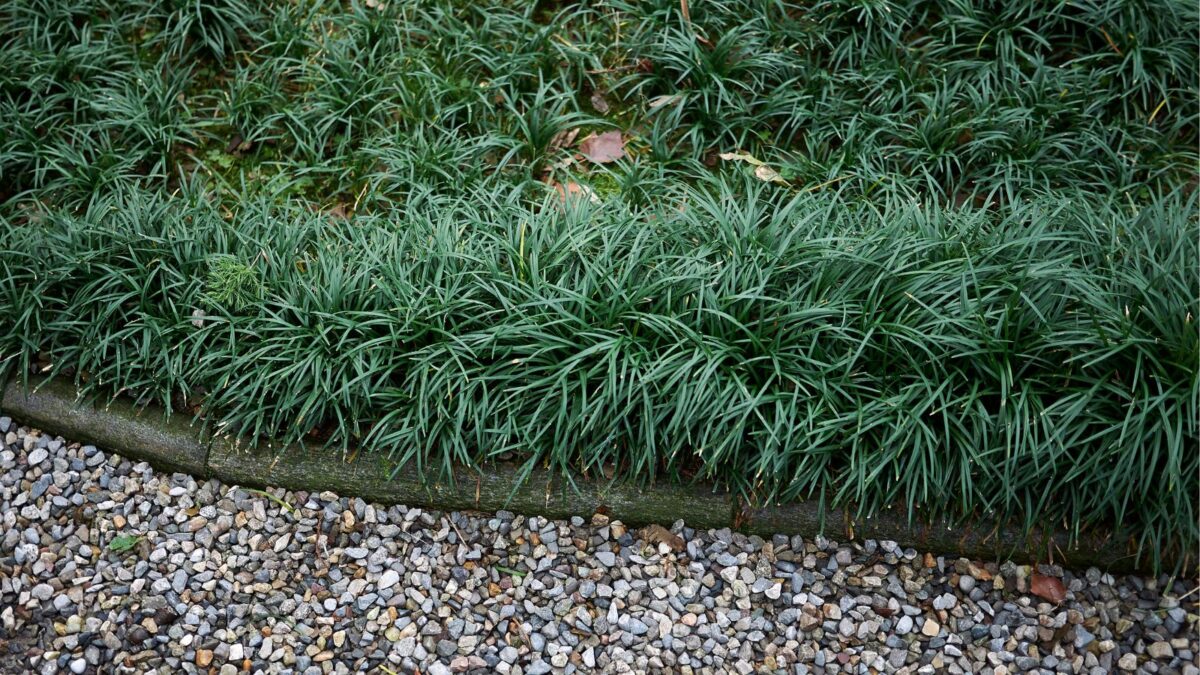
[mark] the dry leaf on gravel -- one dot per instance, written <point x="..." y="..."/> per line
<point x="1050" y="588"/>
<point x="657" y="534"/>
<point x="607" y="147"/>
<point x="979" y="573"/>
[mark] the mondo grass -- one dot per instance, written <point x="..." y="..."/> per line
<point x="969" y="289"/>
<point x="1036" y="363"/>
<point x="953" y="101"/>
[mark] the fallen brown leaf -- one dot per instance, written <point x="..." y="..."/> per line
<point x="769" y="175"/>
<point x="979" y="573"/>
<point x="607" y="147"/>
<point x="572" y="190"/>
<point x="761" y="170"/>
<point x="560" y="164"/>
<point x="741" y="157"/>
<point x="337" y="211"/>
<point x="1050" y="588"/>
<point x="657" y="534"/>
<point x="665" y="99"/>
<point x="564" y="138"/>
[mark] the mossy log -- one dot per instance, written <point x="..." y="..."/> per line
<point x="175" y="443"/>
<point x="170" y="443"/>
<point x="494" y="487"/>
<point x="974" y="539"/>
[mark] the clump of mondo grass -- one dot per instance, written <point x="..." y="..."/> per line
<point x="950" y="101"/>
<point x="1036" y="363"/>
<point x="969" y="289"/>
<point x="232" y="283"/>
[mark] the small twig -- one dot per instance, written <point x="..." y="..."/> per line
<point x="1197" y="588"/>
<point x="319" y="546"/>
<point x="358" y="199"/>
<point x="1112" y="44"/>
<point x="461" y="538"/>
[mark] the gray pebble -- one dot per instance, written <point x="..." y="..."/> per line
<point x="348" y="586"/>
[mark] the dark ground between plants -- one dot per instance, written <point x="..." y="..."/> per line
<point x="969" y="286"/>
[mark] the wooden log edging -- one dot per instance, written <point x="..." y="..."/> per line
<point x="175" y="444"/>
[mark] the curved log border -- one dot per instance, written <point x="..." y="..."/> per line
<point x="174" y="443"/>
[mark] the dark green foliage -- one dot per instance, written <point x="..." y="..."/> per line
<point x="1037" y="364"/>
<point x="953" y="100"/>
<point x="975" y="293"/>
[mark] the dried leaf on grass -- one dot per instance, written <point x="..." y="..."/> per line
<point x="564" y="138"/>
<point x="572" y="190"/>
<point x="768" y="175"/>
<point x="665" y="99"/>
<point x="761" y="170"/>
<point x="1050" y="588"/>
<point x="560" y="164"/>
<point x="604" y="148"/>
<point x="599" y="103"/>
<point x="335" y="212"/>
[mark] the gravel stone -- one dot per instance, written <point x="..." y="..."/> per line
<point x="1160" y="650"/>
<point x="388" y="579"/>
<point x="227" y="580"/>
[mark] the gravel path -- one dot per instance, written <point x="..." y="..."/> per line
<point x="225" y="580"/>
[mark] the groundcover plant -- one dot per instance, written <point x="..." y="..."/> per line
<point x="939" y="256"/>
